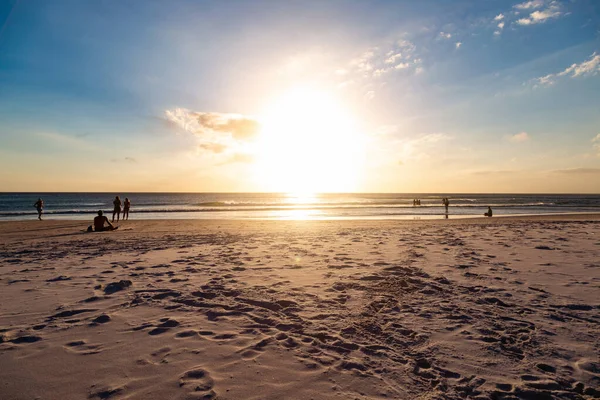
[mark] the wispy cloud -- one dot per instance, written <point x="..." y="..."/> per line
<point x="586" y="68"/>
<point x="63" y="140"/>
<point x="493" y="172"/>
<point x="519" y="137"/>
<point x="445" y="35"/>
<point x="596" y="143"/>
<point x="499" y="17"/>
<point x="551" y="11"/>
<point x="130" y="160"/>
<point x="578" y="171"/>
<point x="458" y="44"/>
<point x="213" y="147"/>
<point x="384" y="59"/>
<point x="407" y="150"/>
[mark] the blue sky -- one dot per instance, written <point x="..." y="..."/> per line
<point x="445" y="96"/>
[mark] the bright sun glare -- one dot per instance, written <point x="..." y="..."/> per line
<point x="309" y="144"/>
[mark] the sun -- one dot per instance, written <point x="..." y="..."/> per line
<point x="308" y="144"/>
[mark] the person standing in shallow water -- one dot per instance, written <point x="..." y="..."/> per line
<point x="117" y="209"/>
<point x="446" y="203"/>
<point x="39" y="205"/>
<point x="126" y="205"/>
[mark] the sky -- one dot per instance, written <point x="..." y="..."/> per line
<point x="434" y="96"/>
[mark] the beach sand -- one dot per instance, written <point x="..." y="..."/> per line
<point x="502" y="308"/>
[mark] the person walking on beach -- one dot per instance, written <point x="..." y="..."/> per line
<point x="117" y="209"/>
<point x="39" y="205"/>
<point x="99" y="223"/>
<point x="126" y="205"/>
<point x="446" y="203"/>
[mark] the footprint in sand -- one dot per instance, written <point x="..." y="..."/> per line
<point x="164" y="326"/>
<point x="199" y="382"/>
<point x="83" y="348"/>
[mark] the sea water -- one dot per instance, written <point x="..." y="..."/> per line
<point x="19" y="206"/>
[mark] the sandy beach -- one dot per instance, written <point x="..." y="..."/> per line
<point x="501" y="308"/>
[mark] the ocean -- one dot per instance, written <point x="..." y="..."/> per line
<point x="83" y="206"/>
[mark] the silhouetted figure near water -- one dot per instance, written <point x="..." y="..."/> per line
<point x="489" y="212"/>
<point x="126" y="205"/>
<point x="39" y="205"/>
<point x="117" y="209"/>
<point x="99" y="223"/>
<point x="446" y="203"/>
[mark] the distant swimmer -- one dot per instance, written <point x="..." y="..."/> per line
<point x="99" y="223"/>
<point x="117" y="208"/>
<point x="39" y="205"/>
<point x="126" y="205"/>
<point x="489" y="212"/>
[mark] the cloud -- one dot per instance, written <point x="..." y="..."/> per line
<point x="596" y="143"/>
<point x="499" y="17"/>
<point x="528" y="5"/>
<point x="458" y="44"/>
<point x="213" y="147"/>
<point x="586" y="68"/>
<point x="519" y="137"/>
<point x="445" y="35"/>
<point x="540" y="16"/>
<point x="386" y="58"/>
<point x="238" y="126"/>
<point x="218" y="133"/>
<point x="578" y="171"/>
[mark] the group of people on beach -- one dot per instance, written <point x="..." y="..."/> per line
<point x="117" y="208"/>
<point x="100" y="219"/>
<point x="416" y="202"/>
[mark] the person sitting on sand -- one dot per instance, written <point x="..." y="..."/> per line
<point x="39" y="205"/>
<point x="489" y="212"/>
<point x="126" y="205"/>
<point x="117" y="209"/>
<point x="99" y="223"/>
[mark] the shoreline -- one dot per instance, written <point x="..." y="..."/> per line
<point x="396" y="218"/>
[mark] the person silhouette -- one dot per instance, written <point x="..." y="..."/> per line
<point x="117" y="208"/>
<point x="39" y="205"/>
<point x="99" y="221"/>
<point x="489" y="212"/>
<point x="126" y="205"/>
